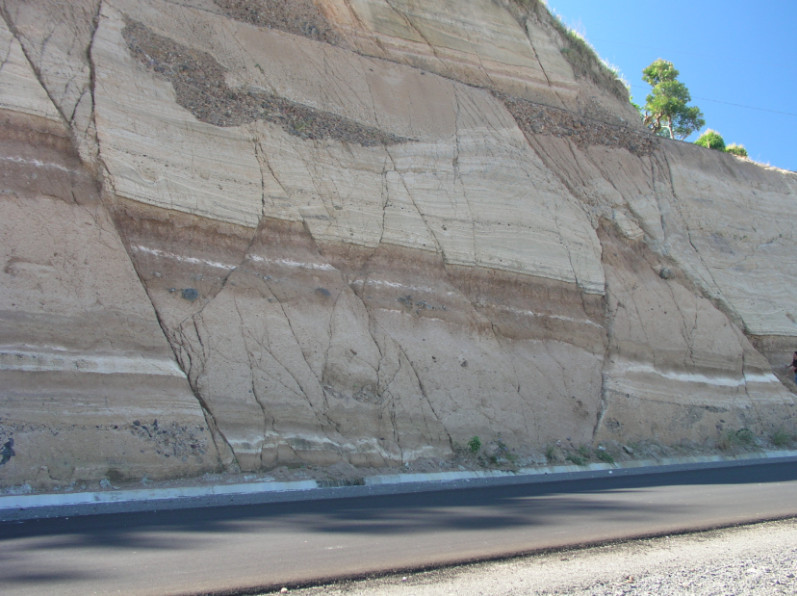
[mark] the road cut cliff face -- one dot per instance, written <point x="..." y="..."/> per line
<point x="238" y="235"/>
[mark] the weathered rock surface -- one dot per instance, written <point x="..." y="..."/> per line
<point x="90" y="388"/>
<point x="364" y="231"/>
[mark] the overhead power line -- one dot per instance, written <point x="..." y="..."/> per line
<point x="736" y="105"/>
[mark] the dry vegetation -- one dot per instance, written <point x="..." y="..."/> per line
<point x="579" y="54"/>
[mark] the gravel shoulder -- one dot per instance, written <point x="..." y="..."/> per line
<point x="757" y="559"/>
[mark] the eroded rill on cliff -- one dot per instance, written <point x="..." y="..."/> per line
<point x="361" y="232"/>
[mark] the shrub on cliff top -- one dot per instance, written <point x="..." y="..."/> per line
<point x="711" y="139"/>
<point x="737" y="150"/>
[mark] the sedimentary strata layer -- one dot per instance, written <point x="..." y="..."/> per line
<point x="243" y="235"/>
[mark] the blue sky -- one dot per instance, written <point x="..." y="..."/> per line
<point x="738" y="58"/>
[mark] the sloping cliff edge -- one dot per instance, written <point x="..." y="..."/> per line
<point x="240" y="235"/>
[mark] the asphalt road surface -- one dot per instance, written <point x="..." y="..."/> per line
<point x="235" y="549"/>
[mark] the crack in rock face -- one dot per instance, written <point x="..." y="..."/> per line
<point x="198" y="81"/>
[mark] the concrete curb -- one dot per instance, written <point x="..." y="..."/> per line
<point x="25" y="507"/>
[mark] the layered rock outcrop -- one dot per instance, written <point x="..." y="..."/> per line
<point x="239" y="235"/>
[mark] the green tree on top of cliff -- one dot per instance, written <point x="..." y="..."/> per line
<point x="666" y="110"/>
<point x="711" y="139"/>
